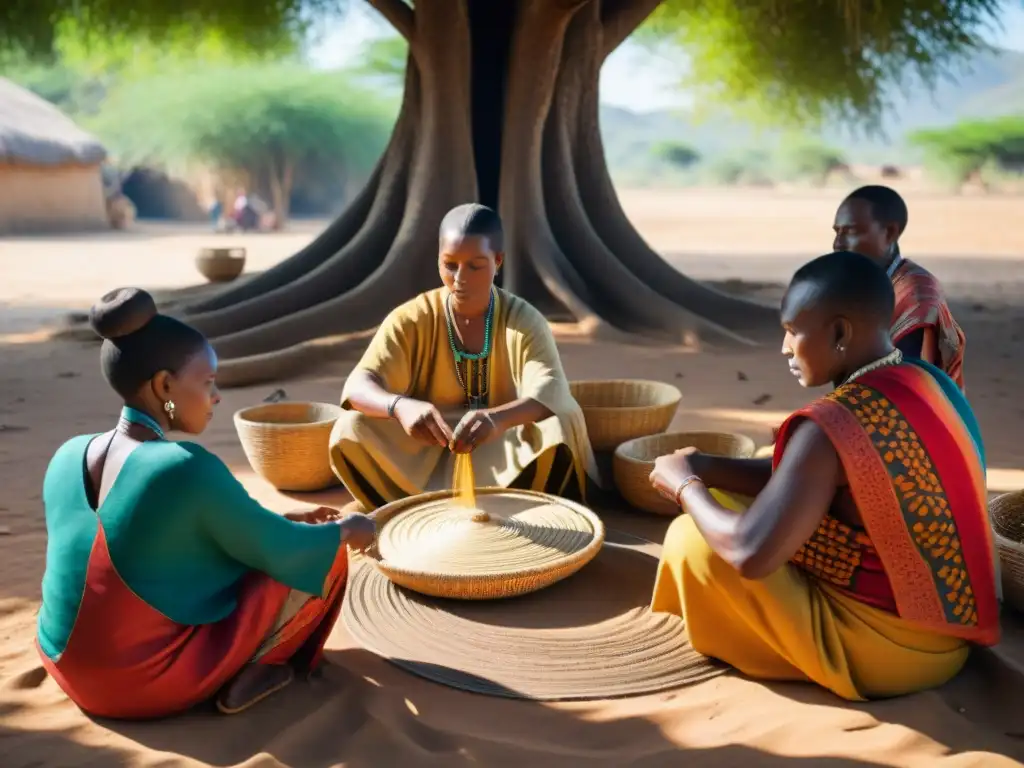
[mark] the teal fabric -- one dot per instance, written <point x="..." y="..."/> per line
<point x="959" y="401"/>
<point x="181" y="531"/>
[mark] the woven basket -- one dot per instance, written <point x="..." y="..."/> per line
<point x="288" y="444"/>
<point x="220" y="265"/>
<point x="1007" y="515"/>
<point x="617" y="410"/>
<point x="634" y="462"/>
<point x="506" y="582"/>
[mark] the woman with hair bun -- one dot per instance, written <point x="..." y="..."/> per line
<point x="166" y="584"/>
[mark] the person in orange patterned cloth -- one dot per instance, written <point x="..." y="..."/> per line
<point x="861" y="557"/>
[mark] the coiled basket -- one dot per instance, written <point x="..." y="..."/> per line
<point x="634" y="462"/>
<point x="288" y="443"/>
<point x="1007" y="515"/>
<point x="516" y="542"/>
<point x="617" y="410"/>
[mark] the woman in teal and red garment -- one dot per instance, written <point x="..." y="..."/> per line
<point x="166" y="584"/>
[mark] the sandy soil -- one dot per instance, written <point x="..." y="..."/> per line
<point x="364" y="712"/>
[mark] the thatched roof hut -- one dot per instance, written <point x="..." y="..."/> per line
<point x="49" y="167"/>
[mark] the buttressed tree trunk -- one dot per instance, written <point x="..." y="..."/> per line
<point x="501" y="107"/>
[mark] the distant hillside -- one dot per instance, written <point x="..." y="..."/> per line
<point x="992" y="85"/>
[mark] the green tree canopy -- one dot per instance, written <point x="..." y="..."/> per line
<point x="677" y="153"/>
<point x="959" y="152"/>
<point x="804" y="61"/>
<point x="798" y="60"/>
<point x="268" y="124"/>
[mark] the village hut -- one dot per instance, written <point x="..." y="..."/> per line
<point x="50" y="179"/>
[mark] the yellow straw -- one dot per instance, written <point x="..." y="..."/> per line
<point x="463" y="481"/>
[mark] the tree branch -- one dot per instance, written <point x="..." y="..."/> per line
<point x="620" y="19"/>
<point x="399" y="14"/>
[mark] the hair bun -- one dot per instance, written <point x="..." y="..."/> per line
<point x="121" y="312"/>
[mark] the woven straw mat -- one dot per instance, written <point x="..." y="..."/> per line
<point x="590" y="636"/>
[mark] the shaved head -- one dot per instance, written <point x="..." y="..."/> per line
<point x="473" y="220"/>
<point x="842" y="283"/>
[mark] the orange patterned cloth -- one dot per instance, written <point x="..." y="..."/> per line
<point x="913" y="458"/>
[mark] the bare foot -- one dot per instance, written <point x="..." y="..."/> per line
<point x="253" y="684"/>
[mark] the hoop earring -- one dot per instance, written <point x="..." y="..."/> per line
<point x="169" y="410"/>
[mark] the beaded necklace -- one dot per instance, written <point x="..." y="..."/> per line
<point x="477" y="364"/>
<point x="893" y="358"/>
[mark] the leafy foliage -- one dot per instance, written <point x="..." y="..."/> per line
<point x="36" y="26"/>
<point x="752" y="167"/>
<point x="970" y="145"/>
<point x="804" y="61"/>
<point x="801" y="61"/>
<point x="385" y="58"/>
<point x="969" y="148"/>
<point x="270" y="123"/>
<point x="678" y="154"/>
<point x="801" y="159"/>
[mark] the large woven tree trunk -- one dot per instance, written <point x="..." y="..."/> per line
<point x="500" y="106"/>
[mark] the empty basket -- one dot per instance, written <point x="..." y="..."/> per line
<point x="288" y="444"/>
<point x="634" y="462"/>
<point x="617" y="410"/>
<point x="1007" y="515"/>
<point x="220" y="265"/>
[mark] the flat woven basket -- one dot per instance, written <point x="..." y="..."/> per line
<point x="531" y="541"/>
<point x="634" y="462"/>
<point x="617" y="410"/>
<point x="1007" y="515"/>
<point x="288" y="443"/>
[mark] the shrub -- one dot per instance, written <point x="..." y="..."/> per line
<point x="963" y="151"/>
<point x="268" y="124"/>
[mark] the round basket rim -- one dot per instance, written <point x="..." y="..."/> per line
<point x="663" y="385"/>
<point x="240" y="416"/>
<point x="620" y="450"/>
<point x="1008" y="543"/>
<point x="231" y="253"/>
<point x="393" y="508"/>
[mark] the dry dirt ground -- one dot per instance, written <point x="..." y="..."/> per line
<point x="750" y="241"/>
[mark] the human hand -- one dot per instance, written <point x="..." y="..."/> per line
<point x="314" y="516"/>
<point x="422" y="421"/>
<point x="473" y="430"/>
<point x="671" y="471"/>
<point x="358" y="531"/>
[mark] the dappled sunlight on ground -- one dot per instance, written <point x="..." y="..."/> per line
<point x="363" y="708"/>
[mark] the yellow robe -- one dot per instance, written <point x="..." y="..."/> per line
<point x="412" y="356"/>
<point x="790" y="626"/>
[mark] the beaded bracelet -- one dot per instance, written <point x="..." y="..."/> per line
<point x="687" y="481"/>
<point x="391" y="407"/>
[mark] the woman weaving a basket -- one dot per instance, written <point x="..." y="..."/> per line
<point x="165" y="582"/>
<point x="467" y="354"/>
<point x="866" y="562"/>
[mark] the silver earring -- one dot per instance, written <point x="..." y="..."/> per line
<point x="169" y="410"/>
<point x="840" y="348"/>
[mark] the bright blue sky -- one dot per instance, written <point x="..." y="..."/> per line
<point x="632" y="77"/>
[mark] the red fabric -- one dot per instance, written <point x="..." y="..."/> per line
<point x="124" y="659"/>
<point x="918" y="482"/>
<point x="921" y="303"/>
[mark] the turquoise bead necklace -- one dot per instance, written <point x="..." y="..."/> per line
<point x="478" y="360"/>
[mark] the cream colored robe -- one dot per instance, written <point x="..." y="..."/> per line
<point x="411" y="354"/>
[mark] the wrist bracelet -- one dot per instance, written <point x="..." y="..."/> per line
<point x="687" y="481"/>
<point x="391" y="407"/>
